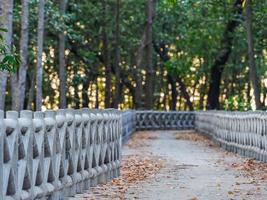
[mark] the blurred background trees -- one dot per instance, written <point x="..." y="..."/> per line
<point x="143" y="54"/>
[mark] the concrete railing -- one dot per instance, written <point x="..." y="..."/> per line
<point x="163" y="120"/>
<point x="128" y="124"/>
<point x="240" y="132"/>
<point x="54" y="154"/>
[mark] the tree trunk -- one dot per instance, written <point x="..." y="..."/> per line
<point x="185" y="93"/>
<point x="202" y="92"/>
<point x="149" y="84"/>
<point x="20" y="84"/>
<point x="39" y="69"/>
<point x="174" y="92"/>
<point x="6" y="23"/>
<point x="138" y="89"/>
<point x="252" y="66"/>
<point x="117" y="98"/>
<point x="138" y="73"/>
<point x="85" y="96"/>
<point x="31" y="94"/>
<point x="222" y="56"/>
<point x="14" y="89"/>
<point x="106" y="56"/>
<point x="62" y="61"/>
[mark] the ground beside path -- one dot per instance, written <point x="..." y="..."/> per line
<point x="182" y="165"/>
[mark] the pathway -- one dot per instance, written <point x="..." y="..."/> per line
<point x="172" y="165"/>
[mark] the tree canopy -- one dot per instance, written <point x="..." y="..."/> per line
<point x="154" y="54"/>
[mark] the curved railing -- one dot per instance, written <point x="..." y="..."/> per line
<point x="55" y="154"/>
<point x="128" y="124"/>
<point x="240" y="132"/>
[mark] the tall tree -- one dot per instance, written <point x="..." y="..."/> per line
<point x="39" y="69"/>
<point x="118" y="86"/>
<point x="62" y="61"/>
<point x="106" y="55"/>
<point x="150" y="72"/>
<point x="223" y="55"/>
<point x="24" y="40"/>
<point x="252" y="66"/>
<point x="6" y="23"/>
<point x="144" y="61"/>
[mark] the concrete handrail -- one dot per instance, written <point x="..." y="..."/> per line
<point x="54" y="154"/>
<point x="164" y="120"/>
<point x="240" y="132"/>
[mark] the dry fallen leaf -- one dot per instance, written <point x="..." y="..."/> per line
<point x="193" y="136"/>
<point x="134" y="169"/>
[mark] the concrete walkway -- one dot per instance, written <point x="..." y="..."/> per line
<point x="194" y="169"/>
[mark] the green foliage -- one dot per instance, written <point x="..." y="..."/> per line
<point x="236" y="103"/>
<point x="191" y="31"/>
<point x="9" y="61"/>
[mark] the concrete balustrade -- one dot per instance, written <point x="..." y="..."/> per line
<point x="55" y="154"/>
<point x="128" y="124"/>
<point x="244" y="133"/>
<point x="163" y="120"/>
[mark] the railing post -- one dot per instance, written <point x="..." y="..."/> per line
<point x="60" y="160"/>
<point x="10" y="166"/>
<point x="70" y="187"/>
<point x="25" y="152"/>
<point x="86" y="148"/>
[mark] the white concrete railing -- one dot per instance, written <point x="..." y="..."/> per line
<point x="54" y="154"/>
<point x="240" y="132"/>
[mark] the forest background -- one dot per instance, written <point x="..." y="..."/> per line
<point x="142" y="54"/>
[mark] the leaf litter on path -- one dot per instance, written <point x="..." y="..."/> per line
<point x="141" y="139"/>
<point x="134" y="169"/>
<point x="193" y="136"/>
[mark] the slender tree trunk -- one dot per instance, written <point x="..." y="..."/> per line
<point x="31" y="94"/>
<point x="138" y="73"/>
<point x="6" y="23"/>
<point x="62" y="61"/>
<point x="185" y="93"/>
<point x="222" y="56"/>
<point x="18" y="97"/>
<point x="138" y="88"/>
<point x="39" y="69"/>
<point x="117" y="98"/>
<point x="85" y="95"/>
<point x="180" y="102"/>
<point x="106" y="56"/>
<point x="14" y="90"/>
<point x="76" y="97"/>
<point x="252" y="66"/>
<point x="202" y="93"/>
<point x="174" y="92"/>
<point x="150" y="73"/>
